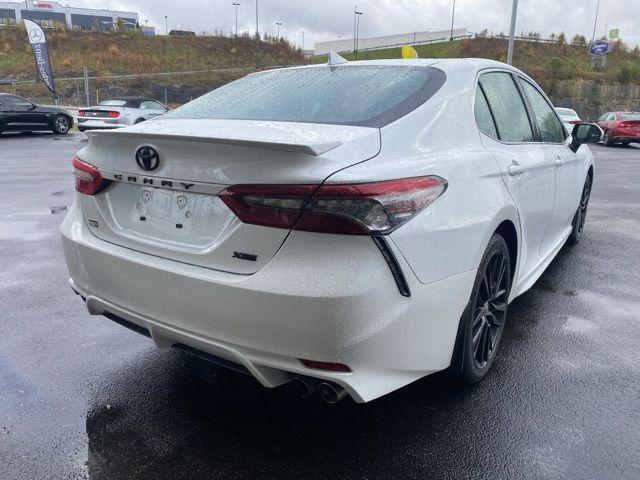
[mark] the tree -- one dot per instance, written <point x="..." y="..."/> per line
<point x="562" y="39"/>
<point x="628" y="73"/>
<point x="579" y="41"/>
<point x="556" y="65"/>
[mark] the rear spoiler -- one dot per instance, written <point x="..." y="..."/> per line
<point x="308" y="148"/>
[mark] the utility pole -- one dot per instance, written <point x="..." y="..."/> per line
<point x="257" y="37"/>
<point x="453" y="14"/>
<point x="357" y="42"/>
<point x="595" y="23"/>
<point x="86" y="86"/>
<point x="512" y="31"/>
<point x="236" y="5"/>
<point x="355" y="10"/>
<point x="278" y="27"/>
<point x="303" y="41"/>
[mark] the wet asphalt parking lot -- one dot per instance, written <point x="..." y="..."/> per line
<point x="82" y="397"/>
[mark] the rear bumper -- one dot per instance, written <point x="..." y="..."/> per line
<point x="99" y="124"/>
<point x="334" y="301"/>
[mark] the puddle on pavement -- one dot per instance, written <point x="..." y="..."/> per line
<point x="579" y="325"/>
<point x="21" y="229"/>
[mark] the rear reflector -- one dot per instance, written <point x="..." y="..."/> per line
<point x="89" y="181"/>
<point x="333" y="367"/>
<point x="375" y="208"/>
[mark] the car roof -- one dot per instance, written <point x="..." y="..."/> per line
<point x="445" y="64"/>
<point x="128" y="98"/>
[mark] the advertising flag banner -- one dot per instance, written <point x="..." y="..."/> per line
<point x="40" y="54"/>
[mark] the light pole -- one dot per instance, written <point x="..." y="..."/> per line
<point x="355" y="11"/>
<point x="166" y="26"/>
<point x="257" y="37"/>
<point x="236" y="5"/>
<point x="357" y="31"/>
<point x="595" y="23"/>
<point x="278" y="27"/>
<point x="512" y="32"/>
<point x="453" y="14"/>
<point x="303" y="41"/>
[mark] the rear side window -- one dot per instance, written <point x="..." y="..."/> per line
<point x="550" y="127"/>
<point x="507" y="107"/>
<point x="630" y="116"/>
<point x="484" y="120"/>
<point x="151" y="105"/>
<point x="363" y="95"/>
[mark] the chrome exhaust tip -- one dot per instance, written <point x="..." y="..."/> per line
<point x="331" y="393"/>
<point x="303" y="387"/>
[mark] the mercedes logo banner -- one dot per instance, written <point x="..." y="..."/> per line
<point x="40" y="54"/>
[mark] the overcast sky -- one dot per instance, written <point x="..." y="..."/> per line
<point x="328" y="19"/>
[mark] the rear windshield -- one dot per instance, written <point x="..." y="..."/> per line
<point x="630" y="116"/>
<point x="371" y="96"/>
<point x="113" y="103"/>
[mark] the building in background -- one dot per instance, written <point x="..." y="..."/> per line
<point x="47" y="14"/>
<point x="387" y="41"/>
<point x="148" y="30"/>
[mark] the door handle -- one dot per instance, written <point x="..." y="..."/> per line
<point x="515" y="170"/>
<point x="560" y="161"/>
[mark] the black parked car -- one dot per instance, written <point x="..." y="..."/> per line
<point x="20" y="115"/>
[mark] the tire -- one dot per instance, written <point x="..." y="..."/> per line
<point x="625" y="144"/>
<point x="82" y="129"/>
<point x="61" y="125"/>
<point x="482" y="323"/>
<point x="140" y="120"/>
<point x="606" y="141"/>
<point x="581" y="214"/>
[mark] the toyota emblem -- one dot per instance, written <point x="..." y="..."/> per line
<point x="147" y="158"/>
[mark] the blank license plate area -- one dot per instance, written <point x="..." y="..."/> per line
<point x="167" y="217"/>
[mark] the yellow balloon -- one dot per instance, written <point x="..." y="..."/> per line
<point x="409" y="52"/>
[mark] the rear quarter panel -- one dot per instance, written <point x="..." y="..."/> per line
<point x="441" y="138"/>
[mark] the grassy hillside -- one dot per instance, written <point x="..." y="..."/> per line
<point x="125" y="53"/>
<point x="548" y="63"/>
<point x="106" y="54"/>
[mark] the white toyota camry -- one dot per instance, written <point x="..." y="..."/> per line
<point x="348" y="228"/>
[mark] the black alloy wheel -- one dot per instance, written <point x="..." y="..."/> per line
<point x="580" y="217"/>
<point x="485" y="316"/>
<point x="61" y="125"/>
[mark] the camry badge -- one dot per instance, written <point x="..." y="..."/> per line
<point x="147" y="158"/>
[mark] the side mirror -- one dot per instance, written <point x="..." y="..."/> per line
<point x="585" y="133"/>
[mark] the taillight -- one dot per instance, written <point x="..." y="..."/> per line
<point x="375" y="208"/>
<point x="113" y="114"/>
<point x="81" y="113"/>
<point x="575" y="122"/>
<point x="88" y="178"/>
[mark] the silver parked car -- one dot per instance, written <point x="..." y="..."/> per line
<point x="119" y="112"/>
<point x="569" y="118"/>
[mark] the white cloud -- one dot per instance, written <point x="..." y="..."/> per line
<point x="327" y="19"/>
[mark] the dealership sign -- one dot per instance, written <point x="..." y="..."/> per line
<point x="40" y="54"/>
<point x="599" y="48"/>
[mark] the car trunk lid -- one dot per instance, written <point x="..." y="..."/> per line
<point x="172" y="209"/>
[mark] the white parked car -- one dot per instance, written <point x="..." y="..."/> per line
<point x="119" y="112"/>
<point x="569" y="118"/>
<point x="348" y="228"/>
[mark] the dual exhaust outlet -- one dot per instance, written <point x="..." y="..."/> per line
<point x="329" y="392"/>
